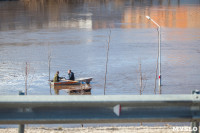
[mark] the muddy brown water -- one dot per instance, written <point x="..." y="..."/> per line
<point x="76" y="33"/>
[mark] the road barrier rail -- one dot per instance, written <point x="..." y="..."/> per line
<point x="20" y="109"/>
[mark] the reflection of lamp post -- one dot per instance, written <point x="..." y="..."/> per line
<point x="159" y="52"/>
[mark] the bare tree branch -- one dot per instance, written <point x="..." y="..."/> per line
<point x="108" y="47"/>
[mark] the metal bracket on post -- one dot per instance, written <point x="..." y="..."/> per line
<point x="21" y="126"/>
<point x="195" y="127"/>
<point x="195" y="124"/>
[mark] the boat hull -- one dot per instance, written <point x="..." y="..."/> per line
<point x="70" y="82"/>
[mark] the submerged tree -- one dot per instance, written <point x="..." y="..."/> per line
<point x="49" y="67"/>
<point x="108" y="47"/>
<point x="142" y="78"/>
<point x="27" y="76"/>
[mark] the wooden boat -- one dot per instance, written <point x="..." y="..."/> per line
<point x="65" y="82"/>
<point x="70" y="82"/>
<point x="85" y="80"/>
<point x="79" y="85"/>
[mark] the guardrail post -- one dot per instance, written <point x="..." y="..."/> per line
<point x="21" y="126"/>
<point x="195" y="124"/>
<point x="195" y="127"/>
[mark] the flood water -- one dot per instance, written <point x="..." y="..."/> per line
<point x="76" y="32"/>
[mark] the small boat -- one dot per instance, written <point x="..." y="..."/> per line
<point x="71" y="82"/>
<point x="85" y="80"/>
<point x="65" y="82"/>
<point x="81" y="85"/>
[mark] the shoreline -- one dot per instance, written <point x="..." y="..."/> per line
<point x="128" y="129"/>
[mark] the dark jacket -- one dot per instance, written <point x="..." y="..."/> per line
<point x="71" y="76"/>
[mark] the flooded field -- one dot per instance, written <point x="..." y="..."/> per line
<point x="75" y="33"/>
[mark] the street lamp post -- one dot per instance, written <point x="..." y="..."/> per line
<point x="159" y="52"/>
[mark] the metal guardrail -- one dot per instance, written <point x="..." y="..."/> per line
<point x="99" y="109"/>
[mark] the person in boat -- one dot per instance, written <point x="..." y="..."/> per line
<point x="71" y="75"/>
<point x="56" y="77"/>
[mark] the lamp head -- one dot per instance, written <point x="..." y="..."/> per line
<point x="148" y="17"/>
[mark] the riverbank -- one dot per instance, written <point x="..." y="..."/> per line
<point x="140" y="129"/>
